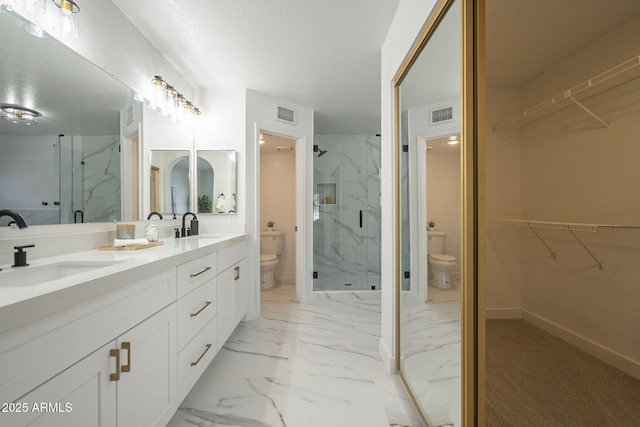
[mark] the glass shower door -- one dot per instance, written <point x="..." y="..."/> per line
<point x="346" y="227"/>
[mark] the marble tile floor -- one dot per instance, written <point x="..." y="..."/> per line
<point x="299" y="365"/>
<point x="431" y="347"/>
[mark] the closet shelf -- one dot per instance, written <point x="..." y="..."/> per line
<point x="571" y="227"/>
<point x="614" y="77"/>
<point x="575" y="226"/>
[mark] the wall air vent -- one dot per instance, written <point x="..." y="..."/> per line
<point x="441" y="115"/>
<point x="284" y="114"/>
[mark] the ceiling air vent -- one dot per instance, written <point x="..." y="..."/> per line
<point x="441" y="115"/>
<point x="286" y="115"/>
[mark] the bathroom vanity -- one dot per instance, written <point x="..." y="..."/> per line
<point x="119" y="337"/>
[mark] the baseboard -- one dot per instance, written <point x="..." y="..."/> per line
<point x="287" y="277"/>
<point x="605" y="354"/>
<point x="503" y="313"/>
<point x="389" y="362"/>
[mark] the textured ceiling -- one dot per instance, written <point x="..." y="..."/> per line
<point x="324" y="54"/>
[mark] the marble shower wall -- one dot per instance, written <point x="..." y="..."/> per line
<point x="94" y="184"/>
<point x="349" y="175"/>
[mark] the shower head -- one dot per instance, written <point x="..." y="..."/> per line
<point x="322" y="152"/>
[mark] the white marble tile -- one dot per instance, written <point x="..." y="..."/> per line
<point x="301" y="365"/>
<point x="286" y="401"/>
<point x="397" y="405"/>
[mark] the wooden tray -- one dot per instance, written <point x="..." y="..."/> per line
<point x="130" y="247"/>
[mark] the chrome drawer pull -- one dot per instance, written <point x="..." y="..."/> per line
<point x="206" y="304"/>
<point x="197" y="274"/>
<point x="201" y="356"/>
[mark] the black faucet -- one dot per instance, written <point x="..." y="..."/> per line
<point x="20" y="256"/>
<point x="16" y="216"/>
<point x="154" y="213"/>
<point x="184" y="229"/>
<point x="75" y="216"/>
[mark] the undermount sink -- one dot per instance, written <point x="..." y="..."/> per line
<point x="35" y="275"/>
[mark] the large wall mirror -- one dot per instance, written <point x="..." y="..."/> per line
<point x="65" y="168"/>
<point x="430" y="211"/>
<point x="216" y="181"/>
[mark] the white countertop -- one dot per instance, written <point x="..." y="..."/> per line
<point x="18" y="303"/>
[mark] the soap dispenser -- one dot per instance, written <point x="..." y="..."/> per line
<point x="194" y="226"/>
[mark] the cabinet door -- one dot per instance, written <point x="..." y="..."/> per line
<point x="225" y="305"/>
<point x="147" y="389"/>
<point x="82" y="395"/>
<point x="239" y="292"/>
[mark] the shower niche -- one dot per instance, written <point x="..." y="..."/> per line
<point x="325" y="193"/>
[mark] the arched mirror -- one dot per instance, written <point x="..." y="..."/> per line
<point x="430" y="208"/>
<point x="216" y="181"/>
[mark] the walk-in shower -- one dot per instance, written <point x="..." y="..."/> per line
<point x="346" y="208"/>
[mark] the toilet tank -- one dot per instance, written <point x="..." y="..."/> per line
<point x="435" y="242"/>
<point x="271" y="242"/>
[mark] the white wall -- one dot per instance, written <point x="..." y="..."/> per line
<point x="278" y="204"/>
<point x="405" y="28"/>
<point x="574" y="170"/>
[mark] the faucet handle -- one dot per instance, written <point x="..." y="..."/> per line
<point x="20" y="256"/>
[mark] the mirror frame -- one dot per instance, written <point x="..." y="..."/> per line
<point x="473" y="218"/>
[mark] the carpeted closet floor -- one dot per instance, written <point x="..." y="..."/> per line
<point x="536" y="379"/>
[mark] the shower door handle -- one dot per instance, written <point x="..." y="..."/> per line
<point x="361" y="218"/>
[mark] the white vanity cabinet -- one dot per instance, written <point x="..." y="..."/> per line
<point x="82" y="395"/>
<point x="125" y="348"/>
<point x="232" y="290"/>
<point x="147" y="387"/>
<point x="130" y="381"/>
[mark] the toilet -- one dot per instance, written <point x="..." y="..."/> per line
<point x="271" y="244"/>
<point x="440" y="264"/>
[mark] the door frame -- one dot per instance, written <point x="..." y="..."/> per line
<point x="304" y="226"/>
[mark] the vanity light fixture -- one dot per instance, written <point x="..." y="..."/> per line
<point x="168" y="98"/>
<point x="20" y="115"/>
<point x="32" y="6"/>
<point x="68" y="18"/>
<point x="453" y="140"/>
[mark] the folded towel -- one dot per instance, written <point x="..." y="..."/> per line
<point x="128" y="242"/>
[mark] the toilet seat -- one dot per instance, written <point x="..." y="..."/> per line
<point x="442" y="257"/>
<point x="268" y="257"/>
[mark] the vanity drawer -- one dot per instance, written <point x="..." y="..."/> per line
<point x="195" y="310"/>
<point x="195" y="357"/>
<point x="194" y="273"/>
<point x="231" y="255"/>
